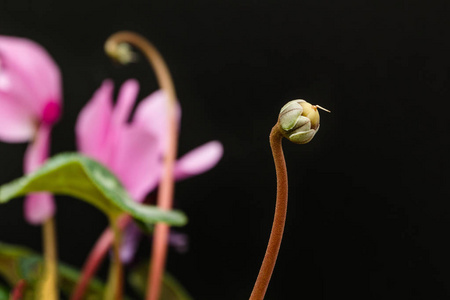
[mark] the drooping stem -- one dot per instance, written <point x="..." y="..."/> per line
<point x="270" y="258"/>
<point x="95" y="258"/>
<point x="166" y="187"/>
<point x="49" y="287"/>
<point x="114" y="289"/>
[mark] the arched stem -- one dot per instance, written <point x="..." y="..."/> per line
<point x="151" y="53"/>
<point x="166" y="187"/>
<point x="270" y="258"/>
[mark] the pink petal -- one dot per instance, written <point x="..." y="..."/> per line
<point x="39" y="207"/>
<point x="93" y="124"/>
<point x="199" y="160"/>
<point x="35" y="77"/>
<point x="137" y="161"/>
<point x="151" y="113"/>
<point x="37" y="151"/>
<point x="16" y="122"/>
<point x="125" y="101"/>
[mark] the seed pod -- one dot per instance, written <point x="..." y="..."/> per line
<point x="299" y="121"/>
<point x="120" y="53"/>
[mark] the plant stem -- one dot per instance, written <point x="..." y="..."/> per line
<point x="95" y="258"/>
<point x="270" y="258"/>
<point x="114" y="289"/>
<point x="48" y="286"/>
<point x="17" y="292"/>
<point x="92" y="263"/>
<point x="166" y="187"/>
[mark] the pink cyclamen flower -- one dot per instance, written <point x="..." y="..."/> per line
<point x="133" y="149"/>
<point x="30" y="103"/>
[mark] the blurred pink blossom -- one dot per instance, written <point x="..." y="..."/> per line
<point x="30" y="103"/>
<point x="133" y="149"/>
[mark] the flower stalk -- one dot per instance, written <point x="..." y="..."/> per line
<point x="49" y="285"/>
<point x="115" y="48"/>
<point x="142" y="139"/>
<point x="270" y="258"/>
<point x="95" y="258"/>
<point x="114" y="288"/>
<point x="298" y="121"/>
<point x="92" y="263"/>
<point x="18" y="291"/>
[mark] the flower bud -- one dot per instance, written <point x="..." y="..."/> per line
<point x="299" y="121"/>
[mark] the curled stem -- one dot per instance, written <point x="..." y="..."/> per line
<point x="114" y="47"/>
<point x="270" y="258"/>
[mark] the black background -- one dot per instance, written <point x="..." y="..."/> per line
<point x="369" y="212"/>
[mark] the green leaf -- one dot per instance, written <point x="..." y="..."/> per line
<point x="20" y="263"/>
<point x="75" y="175"/>
<point x="171" y="289"/>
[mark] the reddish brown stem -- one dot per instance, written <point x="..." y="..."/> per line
<point x="17" y="292"/>
<point x="270" y="258"/>
<point x="166" y="187"/>
<point x="93" y="262"/>
<point x="165" y="193"/>
<point x="95" y="258"/>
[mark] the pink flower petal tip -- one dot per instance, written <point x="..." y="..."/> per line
<point x="199" y="160"/>
<point x="38" y="208"/>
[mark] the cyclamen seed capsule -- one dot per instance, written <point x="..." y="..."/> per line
<point x="299" y="121"/>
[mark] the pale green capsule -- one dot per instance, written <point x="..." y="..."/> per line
<point x="121" y="53"/>
<point x="299" y="121"/>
